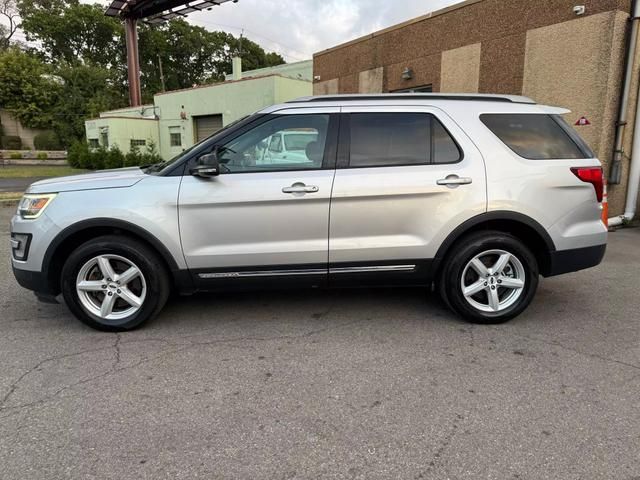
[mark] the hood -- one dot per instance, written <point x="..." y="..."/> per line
<point x="116" y="178"/>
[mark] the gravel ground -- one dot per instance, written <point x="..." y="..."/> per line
<point x="359" y="384"/>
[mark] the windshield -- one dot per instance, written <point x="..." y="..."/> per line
<point x="157" y="168"/>
<point x="298" y="141"/>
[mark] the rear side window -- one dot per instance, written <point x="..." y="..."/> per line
<point x="537" y="136"/>
<point x="396" y="139"/>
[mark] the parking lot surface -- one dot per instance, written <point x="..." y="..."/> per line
<point x="329" y="384"/>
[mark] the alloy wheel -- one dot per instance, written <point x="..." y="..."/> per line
<point x="111" y="287"/>
<point x="493" y="281"/>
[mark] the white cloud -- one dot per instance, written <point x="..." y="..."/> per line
<point x="298" y="28"/>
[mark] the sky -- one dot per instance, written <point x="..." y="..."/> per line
<point x="298" y="28"/>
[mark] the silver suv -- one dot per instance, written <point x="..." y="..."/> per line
<point x="477" y="194"/>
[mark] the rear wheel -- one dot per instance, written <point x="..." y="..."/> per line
<point x="114" y="283"/>
<point x="489" y="277"/>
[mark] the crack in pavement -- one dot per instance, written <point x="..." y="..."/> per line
<point x="14" y="385"/>
<point x="579" y="352"/>
<point x="117" y="353"/>
<point x="442" y="447"/>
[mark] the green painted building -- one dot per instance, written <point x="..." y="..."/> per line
<point x="178" y="119"/>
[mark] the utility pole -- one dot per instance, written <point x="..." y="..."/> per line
<point x="161" y="73"/>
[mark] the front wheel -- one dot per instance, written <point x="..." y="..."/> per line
<point x="489" y="277"/>
<point x="114" y="283"/>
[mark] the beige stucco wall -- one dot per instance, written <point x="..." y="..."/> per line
<point x="370" y="81"/>
<point x="587" y="54"/>
<point x="326" y="87"/>
<point x="460" y="71"/>
<point x="122" y="130"/>
<point x="287" y="89"/>
<point x="12" y="127"/>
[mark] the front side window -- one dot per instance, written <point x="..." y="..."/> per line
<point x="261" y="148"/>
<point x="397" y="139"/>
<point x="537" y="136"/>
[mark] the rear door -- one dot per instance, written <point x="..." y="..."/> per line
<point x="406" y="177"/>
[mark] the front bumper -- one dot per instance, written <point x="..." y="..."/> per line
<point x="566" y="261"/>
<point x="37" y="282"/>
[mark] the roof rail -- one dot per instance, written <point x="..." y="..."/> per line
<point x="416" y="96"/>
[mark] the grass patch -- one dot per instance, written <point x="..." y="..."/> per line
<point x="27" y="171"/>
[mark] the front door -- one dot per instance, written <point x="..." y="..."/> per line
<point x="262" y="219"/>
<point x="406" y="177"/>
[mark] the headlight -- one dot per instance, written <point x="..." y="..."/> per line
<point x="32" y="205"/>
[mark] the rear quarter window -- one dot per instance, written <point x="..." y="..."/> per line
<point x="537" y="136"/>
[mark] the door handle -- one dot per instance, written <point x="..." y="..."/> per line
<point x="300" y="188"/>
<point x="453" y="181"/>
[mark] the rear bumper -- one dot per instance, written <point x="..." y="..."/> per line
<point x="566" y="261"/>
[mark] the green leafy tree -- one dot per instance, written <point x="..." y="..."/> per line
<point x="85" y="91"/>
<point x="73" y="32"/>
<point x="27" y="89"/>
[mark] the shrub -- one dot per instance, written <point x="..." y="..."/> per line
<point x="133" y="158"/>
<point x="47" y="141"/>
<point x="11" y="142"/>
<point x="42" y="156"/>
<point x="114" y="158"/>
<point x="78" y="155"/>
<point x="15" y="155"/>
<point x="98" y="158"/>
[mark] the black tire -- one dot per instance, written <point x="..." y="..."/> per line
<point x="154" y="275"/>
<point x="457" y="263"/>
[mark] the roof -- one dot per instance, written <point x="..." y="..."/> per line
<point x="282" y="69"/>
<point x="230" y="82"/>
<point x="478" y="97"/>
<point x="158" y="11"/>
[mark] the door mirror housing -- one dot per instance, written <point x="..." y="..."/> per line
<point x="208" y="166"/>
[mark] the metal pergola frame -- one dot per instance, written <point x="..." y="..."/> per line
<point x="151" y="12"/>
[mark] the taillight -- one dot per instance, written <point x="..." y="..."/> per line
<point x="592" y="175"/>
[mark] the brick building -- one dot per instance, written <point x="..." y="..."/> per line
<point x="549" y="50"/>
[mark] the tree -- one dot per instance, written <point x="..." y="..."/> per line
<point x="73" y="32"/>
<point x="8" y="12"/>
<point x="85" y="91"/>
<point x="26" y="88"/>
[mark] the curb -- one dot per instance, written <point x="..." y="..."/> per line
<point x="30" y="162"/>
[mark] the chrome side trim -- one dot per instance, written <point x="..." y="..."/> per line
<point x="374" y="268"/>
<point x="264" y="273"/>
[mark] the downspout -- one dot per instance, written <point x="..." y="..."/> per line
<point x="634" y="168"/>
<point x="615" y="172"/>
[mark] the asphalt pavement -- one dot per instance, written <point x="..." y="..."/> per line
<point x="16" y="184"/>
<point x="353" y="384"/>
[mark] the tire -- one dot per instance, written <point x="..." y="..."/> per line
<point x="498" y="273"/>
<point x="100" y="301"/>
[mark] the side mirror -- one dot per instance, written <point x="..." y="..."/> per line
<point x="207" y="166"/>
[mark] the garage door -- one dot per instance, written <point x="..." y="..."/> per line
<point x="207" y="125"/>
